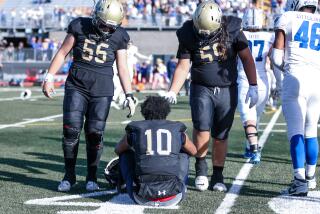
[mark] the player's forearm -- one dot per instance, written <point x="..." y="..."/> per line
<point x="179" y="77"/>
<point x="56" y="63"/>
<point x="125" y="79"/>
<point x="248" y="66"/>
<point x="189" y="147"/>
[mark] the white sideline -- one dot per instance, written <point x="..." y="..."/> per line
<point x="30" y="121"/>
<point x="232" y="194"/>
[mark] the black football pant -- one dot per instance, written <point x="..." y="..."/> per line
<point x="78" y="106"/>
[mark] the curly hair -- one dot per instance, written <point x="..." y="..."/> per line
<point x="155" y="108"/>
<point x="223" y="43"/>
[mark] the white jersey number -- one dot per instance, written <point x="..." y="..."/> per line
<point x="160" y="134"/>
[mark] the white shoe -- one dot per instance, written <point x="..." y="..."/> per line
<point x="115" y="105"/>
<point x="201" y="183"/>
<point x="312" y="183"/>
<point x="92" y="186"/>
<point x="64" y="186"/>
<point x="220" y="187"/>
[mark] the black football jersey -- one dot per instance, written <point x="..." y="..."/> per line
<point x="157" y="144"/>
<point x="91" y="52"/>
<point x="208" y="68"/>
<point x="91" y="71"/>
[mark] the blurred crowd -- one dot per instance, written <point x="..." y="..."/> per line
<point x="139" y="13"/>
<point x="36" y="49"/>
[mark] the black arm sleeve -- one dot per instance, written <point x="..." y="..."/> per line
<point x="72" y="28"/>
<point x="182" y="130"/>
<point x="240" y="42"/>
<point x="183" y="52"/>
<point x="123" y="43"/>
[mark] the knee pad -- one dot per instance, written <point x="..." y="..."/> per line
<point x="94" y="140"/>
<point x="70" y="141"/>
<point x="251" y="134"/>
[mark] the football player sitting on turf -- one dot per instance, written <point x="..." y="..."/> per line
<point x="296" y="52"/>
<point x="154" y="156"/>
<point x="259" y="44"/>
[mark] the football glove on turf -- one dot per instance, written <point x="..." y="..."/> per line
<point x="171" y="97"/>
<point x="252" y="94"/>
<point x="130" y="102"/>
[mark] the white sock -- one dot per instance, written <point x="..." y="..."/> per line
<point x="300" y="173"/>
<point x="311" y="170"/>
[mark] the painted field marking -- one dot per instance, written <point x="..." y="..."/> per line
<point x="30" y="121"/>
<point x="38" y="89"/>
<point x="232" y="194"/>
<point x="291" y="204"/>
<point x="118" y="204"/>
<point x="276" y="124"/>
<point x="275" y="130"/>
<point x="31" y="98"/>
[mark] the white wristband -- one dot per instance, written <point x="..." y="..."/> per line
<point x="49" y="78"/>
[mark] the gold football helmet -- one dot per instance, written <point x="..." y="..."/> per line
<point x="207" y="18"/>
<point x="107" y="15"/>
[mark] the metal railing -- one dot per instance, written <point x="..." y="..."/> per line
<point x="27" y="55"/>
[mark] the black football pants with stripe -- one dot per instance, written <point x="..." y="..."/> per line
<point x="78" y="106"/>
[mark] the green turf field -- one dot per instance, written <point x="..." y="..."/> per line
<point x="31" y="164"/>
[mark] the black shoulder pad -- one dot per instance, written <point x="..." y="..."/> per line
<point x="185" y="33"/>
<point x="233" y="24"/>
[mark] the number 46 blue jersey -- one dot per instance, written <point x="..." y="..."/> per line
<point x="302" y="45"/>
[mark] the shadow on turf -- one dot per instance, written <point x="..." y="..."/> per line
<point x="32" y="173"/>
<point x="106" y="143"/>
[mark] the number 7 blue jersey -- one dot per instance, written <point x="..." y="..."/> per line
<point x="302" y="45"/>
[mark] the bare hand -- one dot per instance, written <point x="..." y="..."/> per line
<point x="48" y="89"/>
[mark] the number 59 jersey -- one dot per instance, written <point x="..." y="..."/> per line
<point x="259" y="44"/>
<point x="302" y="45"/>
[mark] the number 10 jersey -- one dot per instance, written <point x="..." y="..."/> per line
<point x="302" y="44"/>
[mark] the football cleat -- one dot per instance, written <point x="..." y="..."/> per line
<point x="255" y="158"/>
<point x="247" y="153"/>
<point x="312" y="183"/>
<point x="92" y="186"/>
<point x="201" y="183"/>
<point x="217" y="184"/>
<point x="64" y="186"/>
<point x="298" y="187"/>
<point x="219" y="187"/>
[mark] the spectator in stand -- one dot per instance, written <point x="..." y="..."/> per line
<point x="10" y="52"/>
<point x="1" y="56"/>
<point x="171" y="67"/>
<point x="20" y="52"/>
<point x="159" y="73"/>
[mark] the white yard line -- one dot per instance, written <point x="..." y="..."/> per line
<point x="232" y="194"/>
<point x="30" y="121"/>
<point x="32" y="97"/>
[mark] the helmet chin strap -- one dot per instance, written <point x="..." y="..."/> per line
<point x="209" y="39"/>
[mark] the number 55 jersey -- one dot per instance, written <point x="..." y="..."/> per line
<point x="302" y="44"/>
<point x="93" y="57"/>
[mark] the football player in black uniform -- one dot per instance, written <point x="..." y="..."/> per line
<point x="154" y="155"/>
<point x="212" y="43"/>
<point x="96" y="43"/>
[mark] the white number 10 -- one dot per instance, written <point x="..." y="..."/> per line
<point x="160" y="151"/>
